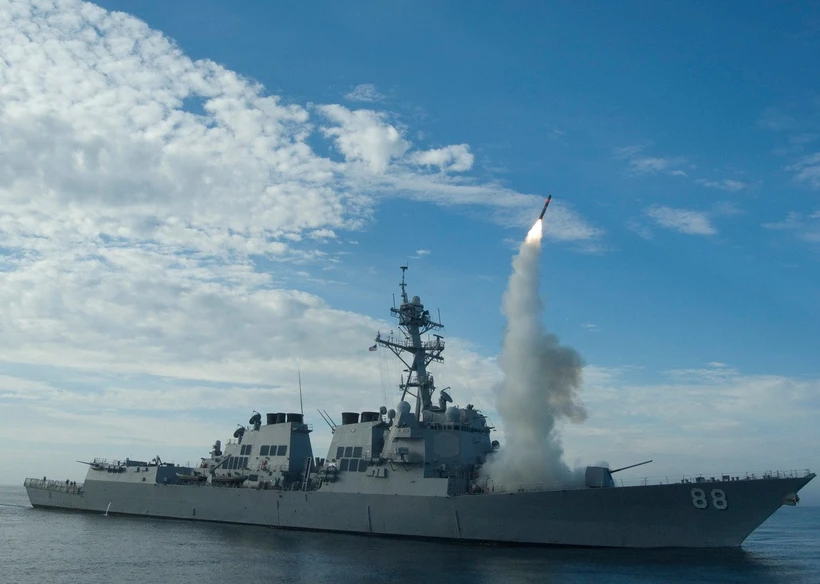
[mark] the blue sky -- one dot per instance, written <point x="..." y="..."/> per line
<point x="228" y="196"/>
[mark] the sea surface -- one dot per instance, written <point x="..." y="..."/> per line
<point x="55" y="547"/>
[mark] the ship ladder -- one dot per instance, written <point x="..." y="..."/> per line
<point x="308" y="465"/>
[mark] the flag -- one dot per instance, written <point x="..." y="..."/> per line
<point x="373" y="348"/>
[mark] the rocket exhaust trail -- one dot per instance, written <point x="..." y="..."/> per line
<point x="542" y="379"/>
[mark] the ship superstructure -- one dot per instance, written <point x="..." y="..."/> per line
<point x="413" y="471"/>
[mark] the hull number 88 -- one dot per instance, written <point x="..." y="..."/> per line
<point x="718" y="497"/>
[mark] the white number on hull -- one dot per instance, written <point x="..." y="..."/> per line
<point x="699" y="499"/>
<point x="719" y="500"/>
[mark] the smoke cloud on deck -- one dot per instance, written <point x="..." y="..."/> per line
<point x="542" y="380"/>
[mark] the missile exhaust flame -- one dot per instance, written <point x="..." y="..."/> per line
<point x="534" y="234"/>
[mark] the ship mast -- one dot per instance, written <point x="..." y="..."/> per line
<point x="414" y="321"/>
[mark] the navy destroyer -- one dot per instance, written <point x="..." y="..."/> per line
<point x="415" y="471"/>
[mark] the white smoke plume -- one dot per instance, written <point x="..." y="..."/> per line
<point x="542" y="380"/>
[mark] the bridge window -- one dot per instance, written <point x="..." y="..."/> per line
<point x="362" y="465"/>
<point x="357" y="452"/>
<point x="349" y="451"/>
<point x="344" y="463"/>
<point x="340" y="452"/>
<point x="282" y="450"/>
<point x="263" y="451"/>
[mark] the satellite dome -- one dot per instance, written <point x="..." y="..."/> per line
<point x="452" y="414"/>
<point x="403" y="407"/>
<point x="415" y="300"/>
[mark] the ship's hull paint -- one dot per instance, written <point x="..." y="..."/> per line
<point x="636" y="517"/>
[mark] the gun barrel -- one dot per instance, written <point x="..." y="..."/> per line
<point x="546" y="204"/>
<point x="630" y="466"/>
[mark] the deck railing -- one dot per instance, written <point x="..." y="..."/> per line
<point x="579" y="483"/>
<point x="50" y="485"/>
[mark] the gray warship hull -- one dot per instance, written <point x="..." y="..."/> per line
<point x="651" y="516"/>
<point x="419" y="474"/>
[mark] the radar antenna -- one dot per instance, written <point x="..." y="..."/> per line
<point x="414" y="321"/>
<point x="403" y="284"/>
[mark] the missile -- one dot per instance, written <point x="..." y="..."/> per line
<point x="544" y="210"/>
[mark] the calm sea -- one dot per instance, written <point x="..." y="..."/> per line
<point x="56" y="547"/>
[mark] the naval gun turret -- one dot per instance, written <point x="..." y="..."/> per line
<point x="597" y="477"/>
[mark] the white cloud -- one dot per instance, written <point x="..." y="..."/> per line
<point x="107" y="120"/>
<point x="363" y="135"/>
<point x="792" y="221"/>
<point x="141" y="240"/>
<point x="366" y="92"/>
<point x="456" y="157"/>
<point x="807" y="170"/>
<point x="639" y="228"/>
<point x="420" y="253"/>
<point x="714" y="420"/>
<point x="803" y="226"/>
<point x="726" y="184"/>
<point x="682" y="220"/>
<point x="639" y="163"/>
<point x="132" y="297"/>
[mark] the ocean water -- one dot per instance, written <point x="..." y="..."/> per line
<point x="62" y="547"/>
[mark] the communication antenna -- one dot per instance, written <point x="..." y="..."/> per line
<point x="403" y="283"/>
<point x="326" y="417"/>
<point x="301" y="407"/>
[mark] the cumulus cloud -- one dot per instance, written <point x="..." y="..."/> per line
<point x="101" y="99"/>
<point x="682" y="220"/>
<point x="457" y="158"/>
<point x="149" y="205"/>
<point x="363" y="135"/>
